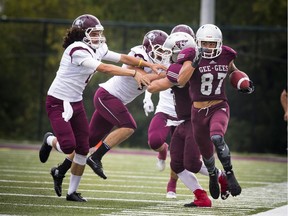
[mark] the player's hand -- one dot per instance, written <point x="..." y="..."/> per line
<point x="198" y="56"/>
<point x="148" y="106"/>
<point x="248" y="90"/>
<point x="141" y="80"/>
<point x="158" y="68"/>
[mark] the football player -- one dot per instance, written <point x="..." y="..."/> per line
<point x="184" y="152"/>
<point x="84" y="46"/>
<point x="164" y="120"/>
<point x="210" y="110"/>
<point x="111" y="98"/>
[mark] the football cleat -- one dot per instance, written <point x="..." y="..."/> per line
<point x="171" y="195"/>
<point x="213" y="184"/>
<point x="75" y="197"/>
<point x="171" y="189"/>
<point x="96" y="166"/>
<point x="160" y="165"/>
<point x="201" y="200"/>
<point x="223" y="186"/>
<point x="161" y="158"/>
<point x="58" y="179"/>
<point x="233" y="185"/>
<point x="45" y="149"/>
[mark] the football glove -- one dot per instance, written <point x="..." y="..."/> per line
<point x="148" y="106"/>
<point x="198" y="57"/>
<point x="249" y="90"/>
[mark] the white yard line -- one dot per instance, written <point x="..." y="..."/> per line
<point x="247" y="202"/>
<point x="281" y="211"/>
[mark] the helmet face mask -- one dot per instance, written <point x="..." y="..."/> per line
<point x="153" y="45"/>
<point x="177" y="42"/>
<point x="94" y="38"/>
<point x="209" y="33"/>
<point x="93" y="30"/>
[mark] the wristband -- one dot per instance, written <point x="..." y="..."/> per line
<point x="140" y="63"/>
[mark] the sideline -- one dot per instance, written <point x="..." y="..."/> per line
<point x="281" y="211"/>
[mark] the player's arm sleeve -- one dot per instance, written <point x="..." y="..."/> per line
<point x="173" y="73"/>
<point x="112" y="56"/>
<point x="83" y="57"/>
<point x="79" y="54"/>
<point x="186" y="55"/>
<point x="91" y="63"/>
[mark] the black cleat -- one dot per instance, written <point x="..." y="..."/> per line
<point x="96" y="166"/>
<point x="213" y="184"/>
<point x="75" y="197"/>
<point x="189" y="205"/>
<point x="233" y="185"/>
<point x="45" y="148"/>
<point x="58" y="179"/>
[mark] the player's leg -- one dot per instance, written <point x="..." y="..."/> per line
<point x="192" y="164"/>
<point x="80" y="126"/>
<point x="176" y="160"/>
<point x="190" y="181"/>
<point x="171" y="186"/>
<point x="201" y="131"/>
<point x="157" y="135"/>
<point x="61" y="128"/>
<point x="58" y="173"/>
<point x="219" y="122"/>
<point x="115" y="112"/>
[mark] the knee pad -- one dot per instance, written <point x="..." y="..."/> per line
<point x="155" y="142"/>
<point x="79" y="159"/>
<point x="221" y="146"/>
<point x="217" y="140"/>
<point x="176" y="166"/>
<point x="193" y="167"/>
<point x="68" y="149"/>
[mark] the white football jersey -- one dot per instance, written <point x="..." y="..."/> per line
<point x="166" y="103"/>
<point x="72" y="77"/>
<point x="125" y="88"/>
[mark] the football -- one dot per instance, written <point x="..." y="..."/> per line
<point x="239" y="80"/>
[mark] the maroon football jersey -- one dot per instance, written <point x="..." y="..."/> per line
<point x="182" y="99"/>
<point x="208" y="79"/>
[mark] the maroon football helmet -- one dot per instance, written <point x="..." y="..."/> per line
<point x="183" y="28"/>
<point x="153" y="45"/>
<point x="93" y="30"/>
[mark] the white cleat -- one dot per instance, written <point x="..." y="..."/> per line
<point x="171" y="195"/>
<point x="160" y="164"/>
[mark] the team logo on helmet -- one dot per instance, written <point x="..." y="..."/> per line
<point x="181" y="44"/>
<point x="79" y="22"/>
<point x="151" y="36"/>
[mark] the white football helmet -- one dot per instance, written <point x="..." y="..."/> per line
<point x="93" y="30"/>
<point x="210" y="33"/>
<point x="178" y="41"/>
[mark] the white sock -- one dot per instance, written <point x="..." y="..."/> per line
<point x="219" y="173"/>
<point x="204" y="170"/>
<point x="50" y="140"/>
<point x="58" y="147"/>
<point x="189" y="180"/>
<point x="74" y="183"/>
